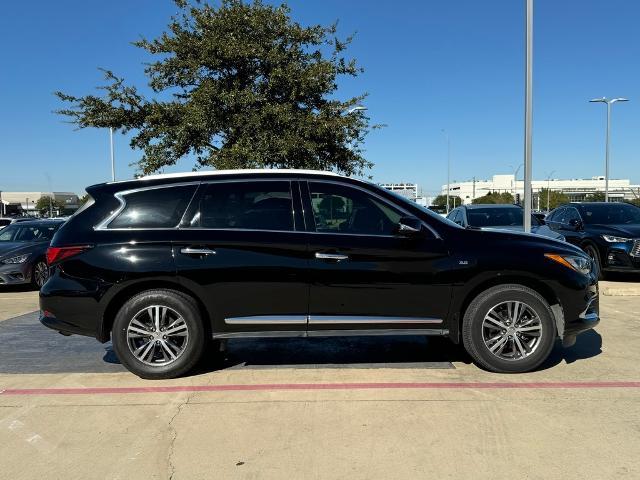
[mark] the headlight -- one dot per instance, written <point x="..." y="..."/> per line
<point x="612" y="239"/>
<point x="16" y="259"/>
<point x="575" y="262"/>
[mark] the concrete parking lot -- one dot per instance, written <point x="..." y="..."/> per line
<point x="358" y="408"/>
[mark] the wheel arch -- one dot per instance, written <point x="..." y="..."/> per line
<point x="531" y="282"/>
<point x="114" y="304"/>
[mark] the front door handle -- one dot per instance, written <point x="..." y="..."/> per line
<point x="197" y="251"/>
<point x="331" y="256"/>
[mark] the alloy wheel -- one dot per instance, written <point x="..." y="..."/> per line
<point x="157" y="335"/>
<point x="40" y="273"/>
<point x="512" y="330"/>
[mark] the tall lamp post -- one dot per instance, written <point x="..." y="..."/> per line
<point x="549" y="191"/>
<point x="446" y="135"/>
<point x="514" y="188"/>
<point x="113" y="163"/>
<point x="528" y="116"/>
<point x="609" y="102"/>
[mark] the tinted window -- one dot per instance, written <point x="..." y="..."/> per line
<point x="4" y="222"/>
<point x="261" y="205"/>
<point x="154" y="208"/>
<point x="611" y="214"/>
<point x="571" y="214"/>
<point x="337" y="208"/>
<point x="28" y="233"/>
<point x="556" y="215"/>
<point x="494" y="217"/>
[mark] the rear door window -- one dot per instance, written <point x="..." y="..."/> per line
<point x="255" y="205"/>
<point x="154" y="207"/>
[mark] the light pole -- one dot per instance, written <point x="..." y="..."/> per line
<point x="528" y="116"/>
<point x="609" y="102"/>
<point x="514" y="188"/>
<point x="357" y="108"/>
<point x="113" y="163"/>
<point x="446" y="135"/>
<point x="549" y="191"/>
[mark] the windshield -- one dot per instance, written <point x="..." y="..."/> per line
<point x="611" y="214"/>
<point x="27" y="233"/>
<point x="497" y="217"/>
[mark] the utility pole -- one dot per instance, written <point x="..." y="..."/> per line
<point x="473" y="197"/>
<point x="448" y="166"/>
<point x="528" y="116"/>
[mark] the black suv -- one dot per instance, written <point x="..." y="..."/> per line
<point x="167" y="265"/>
<point x="608" y="232"/>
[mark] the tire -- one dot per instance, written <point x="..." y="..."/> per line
<point x="479" y="331"/>
<point x="593" y="253"/>
<point x="146" y="347"/>
<point x="39" y="274"/>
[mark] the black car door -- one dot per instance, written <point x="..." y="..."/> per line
<point x="240" y="248"/>
<point x="363" y="275"/>
<point x="570" y="225"/>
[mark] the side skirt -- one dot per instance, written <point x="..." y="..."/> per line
<point x="335" y="333"/>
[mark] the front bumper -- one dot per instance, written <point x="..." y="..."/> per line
<point x="622" y="258"/>
<point x="15" y="274"/>
<point x="587" y="316"/>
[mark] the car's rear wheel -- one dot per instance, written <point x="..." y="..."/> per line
<point x="508" y="329"/>
<point x="159" y="334"/>
<point x="40" y="274"/>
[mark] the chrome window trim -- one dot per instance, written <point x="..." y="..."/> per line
<point x="104" y="225"/>
<point x="379" y="197"/>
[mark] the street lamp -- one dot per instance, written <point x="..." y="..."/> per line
<point x="446" y="135"/>
<point x="609" y="102"/>
<point x="549" y="191"/>
<point x="514" y="188"/>
<point x="357" y="108"/>
<point x="113" y="164"/>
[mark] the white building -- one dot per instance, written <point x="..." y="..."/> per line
<point x="410" y="191"/>
<point x="576" y="189"/>
<point x="25" y="202"/>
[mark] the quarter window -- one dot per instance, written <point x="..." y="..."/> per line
<point x="341" y="209"/>
<point x="154" y="208"/>
<point x="259" y="205"/>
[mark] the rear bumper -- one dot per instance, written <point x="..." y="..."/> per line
<point x="49" y="320"/>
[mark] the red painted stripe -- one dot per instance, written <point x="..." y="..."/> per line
<point x="314" y="386"/>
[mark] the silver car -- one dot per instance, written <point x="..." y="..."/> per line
<point x="23" y="248"/>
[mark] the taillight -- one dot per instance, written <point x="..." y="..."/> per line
<point x="57" y="254"/>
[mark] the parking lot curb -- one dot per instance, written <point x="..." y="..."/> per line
<point x="619" y="290"/>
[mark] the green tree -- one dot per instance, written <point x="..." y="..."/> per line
<point x="635" y="201"/>
<point x="494" y="197"/>
<point x="441" y="201"/>
<point x="555" y="198"/>
<point x="594" y="197"/>
<point x="43" y="205"/>
<point x="240" y="85"/>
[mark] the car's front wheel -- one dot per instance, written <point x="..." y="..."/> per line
<point x="509" y="329"/>
<point x="159" y="334"/>
<point x="40" y="274"/>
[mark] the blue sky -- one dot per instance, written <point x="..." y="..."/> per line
<point x="429" y="65"/>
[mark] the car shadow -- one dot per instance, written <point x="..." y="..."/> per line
<point x="336" y="352"/>
<point x="588" y="345"/>
<point x="622" y="277"/>
<point x="23" y="287"/>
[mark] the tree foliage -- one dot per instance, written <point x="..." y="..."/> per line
<point x="45" y="203"/>
<point x="240" y="85"/>
<point x="555" y="199"/>
<point x="594" y="197"/>
<point x="494" y="197"/>
<point x="441" y="201"/>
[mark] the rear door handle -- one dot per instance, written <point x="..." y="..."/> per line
<point x="197" y="251"/>
<point x="331" y="256"/>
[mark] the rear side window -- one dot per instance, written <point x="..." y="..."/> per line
<point x="154" y="208"/>
<point x="259" y="205"/>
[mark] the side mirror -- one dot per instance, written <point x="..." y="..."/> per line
<point x="575" y="224"/>
<point x="409" y="226"/>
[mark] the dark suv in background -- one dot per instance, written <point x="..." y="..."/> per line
<point x="166" y="264"/>
<point x="608" y="232"/>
